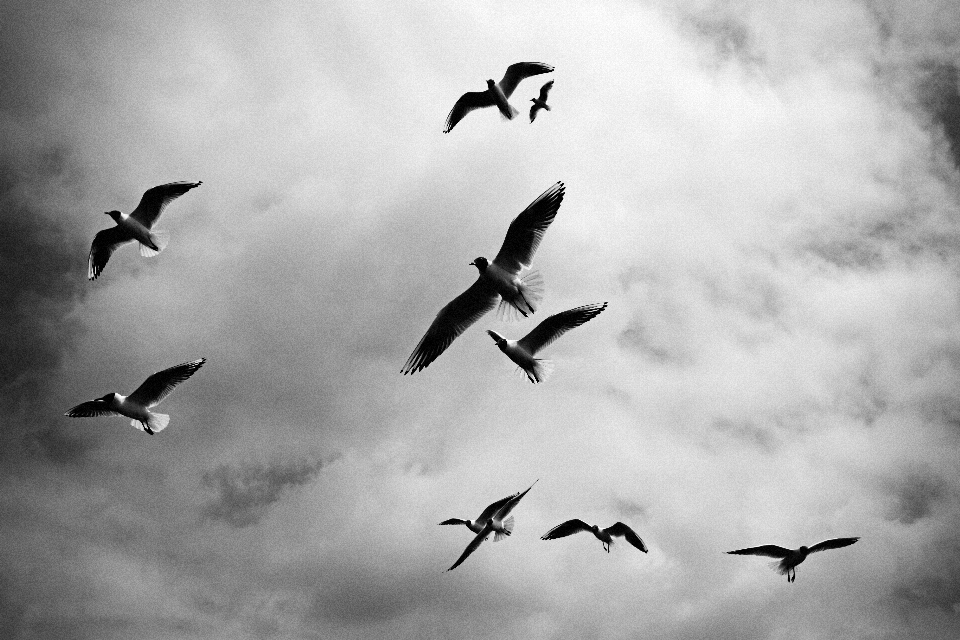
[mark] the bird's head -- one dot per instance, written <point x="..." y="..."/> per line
<point x="499" y="339"/>
<point x="107" y="398"/>
<point x="481" y="264"/>
<point x="113" y="214"/>
<point x="491" y="84"/>
<point x="804" y="550"/>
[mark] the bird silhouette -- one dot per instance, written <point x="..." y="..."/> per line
<point x="493" y="520"/>
<point x="496" y="93"/>
<point x="541" y="101"/>
<point x="790" y="558"/>
<point x="606" y="536"/>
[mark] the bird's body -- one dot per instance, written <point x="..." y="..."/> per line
<point x="497" y="94"/>
<point x="495" y="519"/>
<point x="498" y="281"/>
<point x="605" y="536"/>
<point x="136" y="227"/>
<point x="790" y="558"/>
<point x="540" y="102"/>
<point x="524" y="350"/>
<point x="137" y="405"/>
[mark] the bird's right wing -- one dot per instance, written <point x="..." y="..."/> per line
<point x="527" y="229"/>
<point x="104" y="244"/>
<point x="492" y="510"/>
<point x="557" y="325"/>
<point x="545" y="90"/>
<point x="155" y="200"/>
<point x="512" y="502"/>
<point x="467" y="103"/>
<point x="450" y="322"/>
<point x="567" y="528"/>
<point x="520" y="71"/>
<point x="835" y="543"/>
<point x="158" y="386"/>
<point x="770" y="550"/>
<point x="621" y="530"/>
<point x="533" y="112"/>
<point x="480" y="537"/>
<point x="91" y="409"/>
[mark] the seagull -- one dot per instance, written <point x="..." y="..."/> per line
<point x="493" y="520"/>
<point x="792" y="557"/>
<point x="522" y="351"/>
<point x="541" y="102"/>
<point x="498" y="280"/>
<point x="138" y="404"/>
<point x="496" y="94"/>
<point x="605" y="536"/>
<point x="136" y="226"/>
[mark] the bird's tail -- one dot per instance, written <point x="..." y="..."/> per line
<point x="529" y="295"/>
<point x="156" y="422"/>
<point x="507" y="530"/>
<point x="160" y="239"/>
<point x="541" y="370"/>
<point x="778" y="567"/>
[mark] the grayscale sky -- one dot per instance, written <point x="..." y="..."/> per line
<point x="766" y="193"/>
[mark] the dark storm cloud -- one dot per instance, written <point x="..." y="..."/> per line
<point x="940" y="94"/>
<point x="245" y="493"/>
<point x="916" y="495"/>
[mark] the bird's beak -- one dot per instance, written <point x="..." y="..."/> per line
<point x="472" y="264"/>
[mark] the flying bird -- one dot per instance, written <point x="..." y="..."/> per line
<point x="493" y="520"/>
<point x="522" y="351"/>
<point x="540" y="102"/>
<point x="496" y="93"/>
<point x="790" y="558"/>
<point x="137" y="226"/>
<point x="498" y="280"/>
<point x="605" y="536"/>
<point x="138" y="404"/>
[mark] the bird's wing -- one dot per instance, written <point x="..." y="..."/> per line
<point x="91" y="409"/>
<point x="518" y="71"/>
<point x="104" y="244"/>
<point x="158" y="386"/>
<point x="770" y="550"/>
<point x="621" y="530"/>
<point x="156" y="199"/>
<point x="512" y="502"/>
<point x="450" y="322"/>
<point x="454" y="521"/>
<point x="545" y="90"/>
<point x="835" y="543"/>
<point x="527" y="229"/>
<point x="467" y="103"/>
<point x="480" y="537"/>
<point x="567" y="528"/>
<point x="557" y="325"/>
<point x="491" y="510"/>
<point x="533" y="112"/>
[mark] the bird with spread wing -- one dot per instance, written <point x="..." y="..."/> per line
<point x="790" y="558"/>
<point x="606" y="536"/>
<point x="496" y="94"/>
<point x="540" y="102"/>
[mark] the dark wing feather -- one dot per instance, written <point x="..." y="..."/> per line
<point x="454" y="521"/>
<point x="835" y="543"/>
<point x="770" y="550"/>
<point x="515" y="499"/>
<point x="158" y="386"/>
<point x="557" y="325"/>
<point x="450" y="322"/>
<point x="156" y="199"/>
<point x="467" y="103"/>
<point x="104" y="244"/>
<point x="623" y="531"/>
<point x="480" y="537"/>
<point x="527" y="229"/>
<point x="91" y="409"/>
<point x="519" y="71"/>
<point x="491" y="510"/>
<point x="545" y="90"/>
<point x="533" y="112"/>
<point x="567" y="528"/>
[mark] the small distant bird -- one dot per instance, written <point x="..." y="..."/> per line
<point x="541" y="102"/>
<point x="522" y="351"/>
<point x="493" y="520"/>
<point x="792" y="557"/>
<point x="496" y="94"/>
<point x="137" y="406"/>
<point x="499" y="280"/>
<point x="605" y="536"/>
<point x="136" y="226"/>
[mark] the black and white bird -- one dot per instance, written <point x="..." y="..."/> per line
<point x="498" y="281"/>
<point x="541" y="101"/>
<point x="138" y="404"/>
<point x="493" y="520"/>
<point x="137" y="226"/>
<point x="524" y="350"/>
<point x="790" y="558"/>
<point x="496" y="94"/>
<point x="606" y="536"/>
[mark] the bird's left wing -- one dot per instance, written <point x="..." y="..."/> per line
<point x="104" y="244"/>
<point x="468" y="102"/>
<point x="565" y="529"/>
<point x="156" y="199"/>
<point x="450" y="322"/>
<point x="493" y="508"/>
<point x="533" y="112"/>
<point x="158" y="386"/>
<point x="527" y="229"/>
<point x="557" y="325"/>
<point x="621" y="530"/>
<point x="519" y="71"/>
<point x="835" y="543"/>
<point x="91" y="409"/>
<point x="480" y="537"/>
<point x="770" y="550"/>
<point x="507" y="507"/>
<point x="545" y="90"/>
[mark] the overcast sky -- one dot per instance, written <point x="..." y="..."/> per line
<point x="765" y="193"/>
